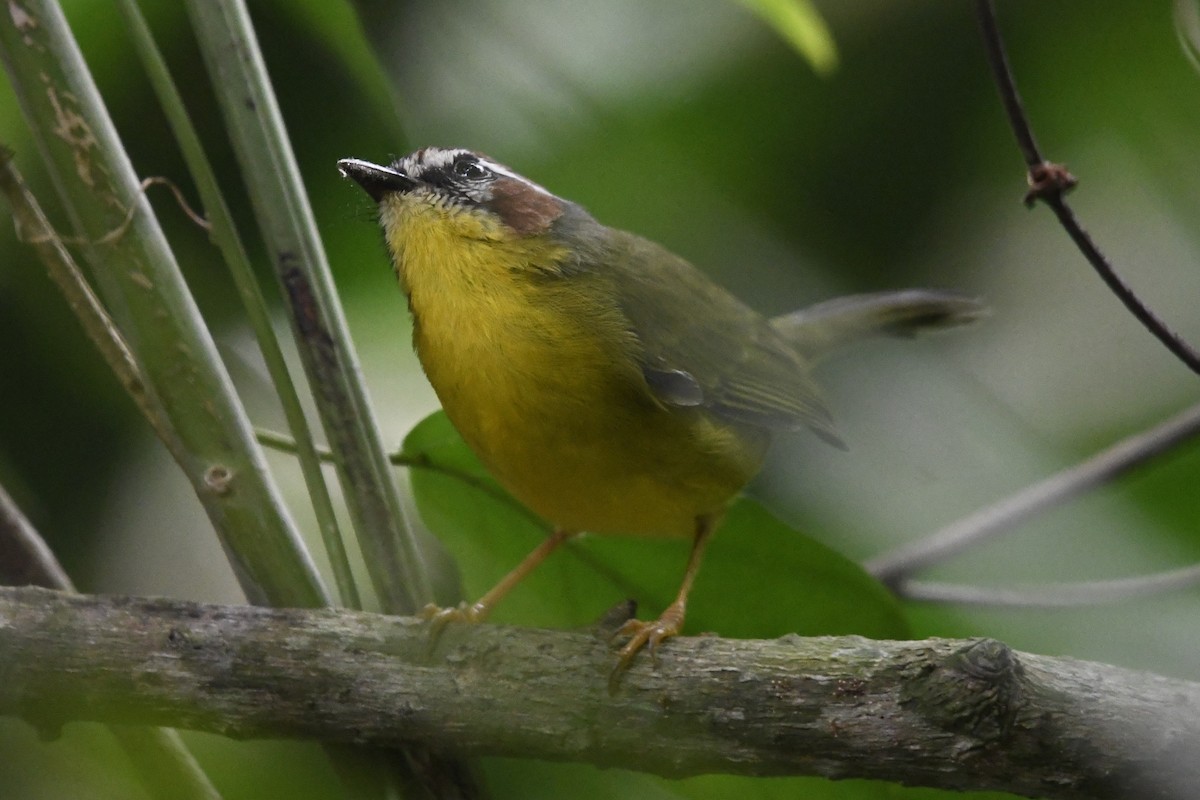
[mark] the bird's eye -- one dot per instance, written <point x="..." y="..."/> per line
<point x="470" y="169"/>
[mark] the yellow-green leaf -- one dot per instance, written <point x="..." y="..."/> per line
<point x="801" y="25"/>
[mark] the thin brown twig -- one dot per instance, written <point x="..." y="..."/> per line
<point x="176" y="192"/>
<point x="119" y="231"/>
<point x="1049" y="182"/>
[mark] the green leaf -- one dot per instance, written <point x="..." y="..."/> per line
<point x="760" y="578"/>
<point x="724" y="787"/>
<point x="536" y="780"/>
<point x="544" y="780"/>
<point x="801" y="25"/>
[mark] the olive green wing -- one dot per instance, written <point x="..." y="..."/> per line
<point x="701" y="346"/>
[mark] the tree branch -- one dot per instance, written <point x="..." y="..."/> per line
<point x="945" y="713"/>
<point x="1049" y="182"/>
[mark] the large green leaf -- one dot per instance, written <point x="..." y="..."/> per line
<point x="760" y="577"/>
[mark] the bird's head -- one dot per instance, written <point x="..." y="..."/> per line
<point x="462" y="192"/>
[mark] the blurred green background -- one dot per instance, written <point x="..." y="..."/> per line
<point x="694" y="124"/>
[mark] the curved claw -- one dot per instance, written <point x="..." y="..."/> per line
<point x="642" y="633"/>
<point x="438" y="617"/>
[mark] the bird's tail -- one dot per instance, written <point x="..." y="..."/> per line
<point x="818" y="330"/>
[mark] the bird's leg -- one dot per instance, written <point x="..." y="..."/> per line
<point x="670" y="623"/>
<point x="479" y="610"/>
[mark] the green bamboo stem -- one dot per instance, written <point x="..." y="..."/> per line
<point x="389" y="547"/>
<point x="231" y="53"/>
<point x="140" y="283"/>
<point x="225" y="235"/>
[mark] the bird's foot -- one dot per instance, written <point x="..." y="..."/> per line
<point x="438" y="617"/>
<point x="642" y="633"/>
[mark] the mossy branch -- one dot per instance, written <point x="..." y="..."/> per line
<point x="943" y="713"/>
<point x="159" y="757"/>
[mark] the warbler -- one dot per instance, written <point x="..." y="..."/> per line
<point x="605" y="382"/>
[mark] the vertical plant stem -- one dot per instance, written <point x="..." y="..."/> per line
<point x="225" y="234"/>
<point x="260" y="141"/>
<point x="140" y="283"/>
<point x="390" y="549"/>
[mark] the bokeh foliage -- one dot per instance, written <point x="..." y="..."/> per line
<point x="696" y="125"/>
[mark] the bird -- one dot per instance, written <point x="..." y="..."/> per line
<point x="606" y="383"/>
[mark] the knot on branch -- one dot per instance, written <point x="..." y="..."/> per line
<point x="218" y="478"/>
<point x="974" y="691"/>
<point x="1048" y="181"/>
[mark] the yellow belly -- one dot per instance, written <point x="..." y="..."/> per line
<point x="567" y="425"/>
<point x="539" y="374"/>
<point x="590" y="468"/>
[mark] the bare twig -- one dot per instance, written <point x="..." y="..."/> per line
<point x="197" y="218"/>
<point x="286" y="444"/>
<point x="25" y="558"/>
<point x="1049" y="182"/>
<point x="892" y="568"/>
<point x="1066" y="595"/>
<point x="955" y="714"/>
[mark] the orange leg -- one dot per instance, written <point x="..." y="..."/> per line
<point x="479" y="610"/>
<point x="670" y="623"/>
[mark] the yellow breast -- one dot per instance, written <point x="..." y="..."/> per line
<point x="538" y="372"/>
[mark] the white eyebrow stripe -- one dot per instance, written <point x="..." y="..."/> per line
<point x="500" y="169"/>
<point x="433" y="158"/>
<point x="440" y="158"/>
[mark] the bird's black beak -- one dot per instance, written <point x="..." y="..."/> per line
<point x="375" y="180"/>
